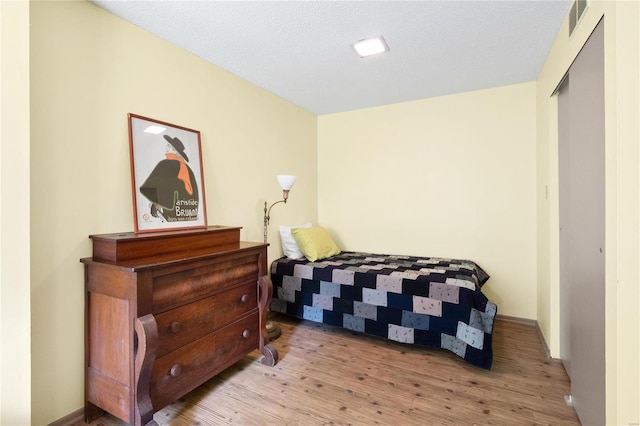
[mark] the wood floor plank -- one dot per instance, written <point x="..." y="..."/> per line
<point x="330" y="376"/>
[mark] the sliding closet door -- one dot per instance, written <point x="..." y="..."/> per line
<point x="582" y="235"/>
<point x="564" y="170"/>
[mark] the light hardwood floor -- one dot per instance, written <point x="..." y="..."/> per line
<point x="329" y="376"/>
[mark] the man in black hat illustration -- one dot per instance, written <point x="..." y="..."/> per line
<point x="171" y="187"/>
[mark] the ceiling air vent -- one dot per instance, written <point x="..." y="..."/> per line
<point x="577" y="9"/>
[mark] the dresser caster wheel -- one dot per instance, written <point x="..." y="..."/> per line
<point x="270" y="357"/>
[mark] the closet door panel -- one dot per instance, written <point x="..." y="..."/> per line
<point x="582" y="237"/>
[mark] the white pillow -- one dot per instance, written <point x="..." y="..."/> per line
<point x="289" y="246"/>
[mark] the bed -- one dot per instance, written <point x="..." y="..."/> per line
<point x="425" y="301"/>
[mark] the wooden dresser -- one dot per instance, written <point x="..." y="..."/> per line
<point x="167" y="311"/>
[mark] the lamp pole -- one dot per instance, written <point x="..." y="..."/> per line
<point x="286" y="182"/>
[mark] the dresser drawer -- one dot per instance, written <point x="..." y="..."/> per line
<point x="187" y="323"/>
<point x="182" y="284"/>
<point x="186" y="368"/>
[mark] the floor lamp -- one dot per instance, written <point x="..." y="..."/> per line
<point x="286" y="183"/>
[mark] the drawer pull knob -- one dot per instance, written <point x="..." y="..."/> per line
<point x="246" y="333"/>
<point x="175" y="327"/>
<point x="175" y="370"/>
<point x="244" y="298"/>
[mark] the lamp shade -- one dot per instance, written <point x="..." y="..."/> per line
<point x="286" y="181"/>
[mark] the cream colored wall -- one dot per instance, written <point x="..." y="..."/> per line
<point x="88" y="70"/>
<point x="452" y="176"/>
<point x="622" y="164"/>
<point x="15" y="362"/>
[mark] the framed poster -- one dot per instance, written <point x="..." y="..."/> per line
<point x="166" y="176"/>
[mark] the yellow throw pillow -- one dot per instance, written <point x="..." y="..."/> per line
<point x="315" y="243"/>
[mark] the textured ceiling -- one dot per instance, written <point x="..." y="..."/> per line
<point x="302" y="50"/>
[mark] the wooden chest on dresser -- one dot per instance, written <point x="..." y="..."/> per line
<point x="167" y="311"/>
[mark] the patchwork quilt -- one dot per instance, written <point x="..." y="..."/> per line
<point x="425" y="301"/>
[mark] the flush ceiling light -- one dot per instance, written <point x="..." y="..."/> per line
<point x="371" y="46"/>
